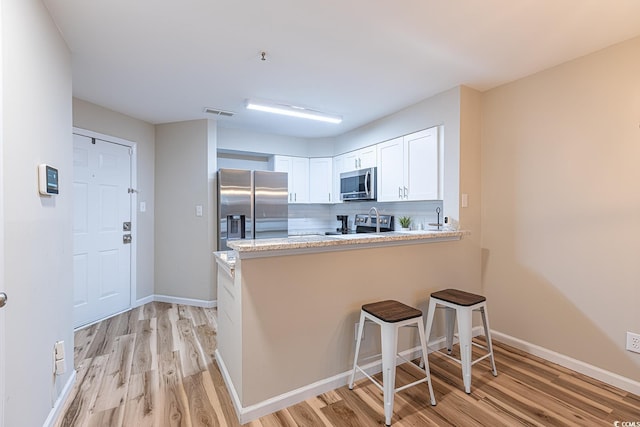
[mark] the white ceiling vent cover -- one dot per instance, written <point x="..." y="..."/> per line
<point x="218" y="112"/>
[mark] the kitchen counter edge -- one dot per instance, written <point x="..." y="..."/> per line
<point x="307" y="244"/>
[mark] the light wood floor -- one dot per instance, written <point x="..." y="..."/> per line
<point x="154" y="366"/>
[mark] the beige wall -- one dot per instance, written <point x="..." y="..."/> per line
<point x="108" y="122"/>
<point x="561" y="207"/>
<point x="38" y="264"/>
<point x="184" y="244"/>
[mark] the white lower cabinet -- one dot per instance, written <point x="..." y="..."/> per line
<point x="321" y="180"/>
<point x="409" y="167"/>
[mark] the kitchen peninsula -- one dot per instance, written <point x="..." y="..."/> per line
<point x="287" y="307"/>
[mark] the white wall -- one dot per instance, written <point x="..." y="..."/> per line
<point x="561" y="207"/>
<point x="184" y="244"/>
<point x="38" y="265"/>
<point x="255" y="142"/>
<point x="108" y="122"/>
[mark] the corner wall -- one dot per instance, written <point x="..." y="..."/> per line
<point x="183" y="250"/>
<point x="561" y="207"/>
<point x="102" y="120"/>
<point x="38" y="264"/>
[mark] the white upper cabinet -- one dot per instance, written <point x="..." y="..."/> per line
<point x="422" y="167"/>
<point x="321" y="180"/>
<point x="360" y="159"/>
<point x="390" y="177"/>
<point x="409" y="167"/>
<point x="298" y="170"/>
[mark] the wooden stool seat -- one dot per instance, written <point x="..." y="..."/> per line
<point x="458" y="297"/>
<point x="391" y="311"/>
<point x="391" y="315"/>
<point x="459" y="306"/>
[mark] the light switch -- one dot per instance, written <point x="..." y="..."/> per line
<point x="143" y="207"/>
<point x="59" y="350"/>
<point x="465" y="200"/>
<point x="198" y="210"/>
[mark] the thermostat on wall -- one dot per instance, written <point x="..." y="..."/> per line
<point x="47" y="180"/>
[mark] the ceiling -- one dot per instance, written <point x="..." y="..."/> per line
<point x="166" y="60"/>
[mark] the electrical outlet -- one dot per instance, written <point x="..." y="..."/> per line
<point x="633" y="342"/>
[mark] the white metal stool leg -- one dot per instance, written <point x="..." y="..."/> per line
<point x="425" y="361"/>
<point x="487" y="335"/>
<point x="450" y="325"/>
<point x="355" y="356"/>
<point x="464" y="333"/>
<point x="389" y="346"/>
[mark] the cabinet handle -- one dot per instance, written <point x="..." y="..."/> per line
<point x="295" y="197"/>
<point x="406" y="190"/>
<point x="329" y="196"/>
<point x="399" y="192"/>
<point x="291" y="197"/>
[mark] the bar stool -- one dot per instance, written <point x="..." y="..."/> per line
<point x="463" y="303"/>
<point x="391" y="316"/>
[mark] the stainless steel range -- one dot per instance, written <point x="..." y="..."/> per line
<point x="367" y="223"/>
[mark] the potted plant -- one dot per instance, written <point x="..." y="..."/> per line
<point x="405" y="222"/>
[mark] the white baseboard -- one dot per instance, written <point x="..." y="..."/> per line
<point x="611" y="378"/>
<point x="185" y="301"/>
<point x="60" y="401"/>
<point x="142" y="301"/>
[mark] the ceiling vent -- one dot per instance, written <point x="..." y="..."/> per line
<point x="217" y="112"/>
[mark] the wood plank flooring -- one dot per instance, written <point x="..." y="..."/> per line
<point x="154" y="366"/>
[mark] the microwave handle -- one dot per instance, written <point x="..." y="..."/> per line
<point x="367" y="178"/>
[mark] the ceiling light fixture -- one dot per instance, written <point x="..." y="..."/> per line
<point x="292" y="111"/>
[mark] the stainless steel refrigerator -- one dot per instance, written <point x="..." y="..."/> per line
<point x="251" y="205"/>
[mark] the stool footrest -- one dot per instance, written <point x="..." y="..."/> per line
<point x="370" y="377"/>
<point x="404" y="387"/>
<point x="473" y="362"/>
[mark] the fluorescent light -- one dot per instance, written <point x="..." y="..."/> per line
<point x="292" y="111"/>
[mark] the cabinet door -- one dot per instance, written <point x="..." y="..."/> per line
<point x="284" y="164"/>
<point x="391" y="170"/>
<point x="421" y="167"/>
<point x="368" y="157"/>
<point x="300" y="179"/>
<point x="338" y="168"/>
<point x="321" y="180"/>
<point x="351" y="160"/>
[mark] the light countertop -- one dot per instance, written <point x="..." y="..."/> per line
<point x="318" y="243"/>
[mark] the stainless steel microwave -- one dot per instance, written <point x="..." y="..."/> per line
<point x="358" y="185"/>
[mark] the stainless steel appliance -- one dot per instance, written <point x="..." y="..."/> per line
<point x="251" y="205"/>
<point x="366" y="223"/>
<point x="358" y="185"/>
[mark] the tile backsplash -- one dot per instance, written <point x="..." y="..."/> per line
<point x="316" y="219"/>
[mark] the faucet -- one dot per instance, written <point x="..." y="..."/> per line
<point x="374" y="209"/>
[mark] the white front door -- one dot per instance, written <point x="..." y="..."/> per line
<point x="2" y="288"/>
<point x="102" y="209"/>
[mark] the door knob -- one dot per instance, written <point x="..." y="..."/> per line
<point x="3" y="299"/>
